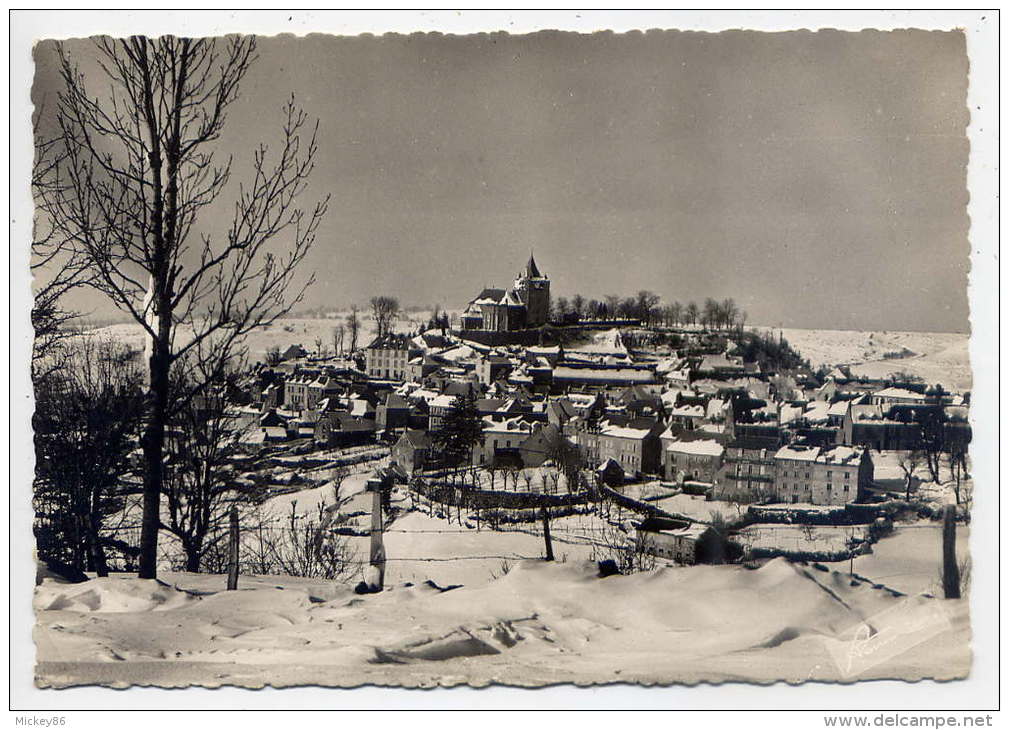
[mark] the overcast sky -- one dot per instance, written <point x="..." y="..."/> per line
<point x="817" y="178"/>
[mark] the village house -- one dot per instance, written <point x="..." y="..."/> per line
<point x="492" y="368"/>
<point x="535" y="450"/>
<point x="422" y="366"/>
<point x="747" y="472"/>
<point x="413" y="451"/>
<point x="319" y="389"/>
<point x="294" y="352"/>
<point x="680" y="542"/>
<point x="874" y="427"/>
<point x="296" y="393"/>
<point x="388" y="356"/>
<point x="339" y="428"/>
<point x="899" y="396"/>
<point x="438" y="409"/>
<point x="689" y="413"/>
<point x="814" y="475"/>
<point x="635" y="446"/>
<point x="691" y="459"/>
<point x="594" y="376"/>
<point x="501" y="442"/>
<point x="393" y="413"/>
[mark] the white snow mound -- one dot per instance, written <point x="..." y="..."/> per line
<point x="109" y="595"/>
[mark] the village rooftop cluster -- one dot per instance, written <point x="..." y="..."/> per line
<point x="626" y="402"/>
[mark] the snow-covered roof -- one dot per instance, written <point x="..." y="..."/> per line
<point x="624" y="432"/>
<point x="899" y="393"/>
<point x="816" y="411"/>
<point x="831" y="455"/>
<point x="838" y="409"/>
<point x="623" y="375"/>
<point x="697" y="447"/>
<point x="441" y="401"/>
<point x="513" y="425"/>
<point x="688" y="412"/>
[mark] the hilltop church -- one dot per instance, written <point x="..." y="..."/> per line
<point x="526" y="305"/>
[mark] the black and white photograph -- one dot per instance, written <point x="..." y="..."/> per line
<point x="505" y="359"/>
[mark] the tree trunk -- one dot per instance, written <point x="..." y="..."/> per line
<point x="950" y="569"/>
<point x="548" y="543"/>
<point x="153" y="441"/>
<point x="192" y="559"/>
<point x="97" y="557"/>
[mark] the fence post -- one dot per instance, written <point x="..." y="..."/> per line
<point x="233" y="549"/>
<point x="546" y="533"/>
<point x="376" y="580"/>
<point x="950" y="569"/>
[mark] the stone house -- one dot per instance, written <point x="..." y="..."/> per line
<point x="691" y="460"/>
<point x="674" y="540"/>
<point x="747" y="472"/>
<point x="389" y="356"/>
<point x="834" y="475"/>
<point x="635" y="446"/>
<point x="413" y="451"/>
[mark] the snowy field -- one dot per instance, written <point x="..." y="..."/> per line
<point x="799" y="539"/>
<point x="908" y="559"/>
<point x="282" y="333"/>
<point x="540" y="623"/>
<point x="936" y="357"/>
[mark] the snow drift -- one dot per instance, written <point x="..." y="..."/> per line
<point x="541" y="623"/>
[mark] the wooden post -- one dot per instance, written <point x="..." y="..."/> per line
<point x="233" y="549"/>
<point x="950" y="569"/>
<point x="376" y="580"/>
<point x="545" y="516"/>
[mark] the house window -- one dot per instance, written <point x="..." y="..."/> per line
<point x="846" y="487"/>
<point x="846" y="475"/>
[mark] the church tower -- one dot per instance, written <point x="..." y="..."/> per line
<point x="534" y="290"/>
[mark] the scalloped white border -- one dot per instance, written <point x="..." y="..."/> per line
<point x="979" y="691"/>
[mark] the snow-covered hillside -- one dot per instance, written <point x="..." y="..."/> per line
<point x="539" y="623"/>
<point x="936" y="357"/>
<point x="282" y="333"/>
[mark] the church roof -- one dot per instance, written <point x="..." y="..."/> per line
<point x="532" y="271"/>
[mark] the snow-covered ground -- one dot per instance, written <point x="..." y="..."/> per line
<point x="936" y="357"/>
<point x="908" y="559"/>
<point x="799" y="539"/>
<point x="282" y="333"/>
<point x="540" y="623"/>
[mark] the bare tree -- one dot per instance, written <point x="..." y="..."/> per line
<point x="612" y="305"/>
<point x="691" y="313"/>
<point x="909" y="462"/>
<point x="139" y="169"/>
<point x="956" y="460"/>
<point x="384" y="310"/>
<point x="338" y="332"/>
<point x="646" y="303"/>
<point x="55" y="266"/>
<point x="85" y="421"/>
<point x="310" y="547"/>
<point x="353" y="327"/>
<point x="199" y="483"/>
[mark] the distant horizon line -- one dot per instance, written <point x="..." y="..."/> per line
<point x="96" y="322"/>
